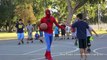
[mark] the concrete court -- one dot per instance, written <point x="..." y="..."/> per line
<point x="61" y="50"/>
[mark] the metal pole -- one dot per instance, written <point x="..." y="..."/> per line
<point x="99" y="17"/>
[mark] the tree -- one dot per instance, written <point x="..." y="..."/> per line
<point x="73" y="7"/>
<point x="6" y="14"/>
<point x="24" y="10"/>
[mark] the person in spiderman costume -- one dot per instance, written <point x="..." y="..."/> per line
<point x="48" y="33"/>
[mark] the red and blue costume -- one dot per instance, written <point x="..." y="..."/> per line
<point x="48" y="33"/>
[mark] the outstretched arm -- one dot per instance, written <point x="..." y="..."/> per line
<point x="94" y="32"/>
<point x="57" y="24"/>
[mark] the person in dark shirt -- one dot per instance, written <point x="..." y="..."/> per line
<point x="81" y="27"/>
<point x="63" y="31"/>
<point x="20" y="35"/>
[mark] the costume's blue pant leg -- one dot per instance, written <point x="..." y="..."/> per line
<point x="51" y="39"/>
<point x="48" y="39"/>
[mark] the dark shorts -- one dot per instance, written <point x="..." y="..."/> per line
<point x="88" y="41"/>
<point x="62" y="32"/>
<point x="56" y="35"/>
<point x="82" y="43"/>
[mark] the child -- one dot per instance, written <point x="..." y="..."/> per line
<point x="63" y="31"/>
<point x="36" y="35"/>
<point x="68" y="29"/>
<point x="20" y="32"/>
<point x="56" y="30"/>
<point x="81" y="35"/>
<point x="30" y="30"/>
<point x="89" y="35"/>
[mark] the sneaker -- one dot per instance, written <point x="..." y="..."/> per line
<point x="41" y="41"/>
<point x="88" y="50"/>
<point x="22" y="41"/>
<point x="19" y="43"/>
<point x="76" y="43"/>
<point x="31" y="41"/>
<point x="72" y="38"/>
<point x="67" y="38"/>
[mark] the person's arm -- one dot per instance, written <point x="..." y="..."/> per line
<point x="24" y="27"/>
<point x="57" y="24"/>
<point x="32" y="28"/>
<point x="72" y="29"/>
<point x="89" y="29"/>
<point x="94" y="32"/>
<point x="74" y="25"/>
<point x="16" y="27"/>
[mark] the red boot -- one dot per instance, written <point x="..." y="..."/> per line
<point x="49" y="55"/>
<point x="46" y="55"/>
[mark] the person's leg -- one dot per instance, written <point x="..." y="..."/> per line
<point x="63" y="36"/>
<point x="76" y="42"/>
<point x="67" y="35"/>
<point x="19" y="38"/>
<point x="28" y="38"/>
<point x="88" y="44"/>
<point x="31" y="37"/>
<point x="22" y="38"/>
<point x="51" y="39"/>
<point x="48" y="39"/>
<point x="85" y="53"/>
<point x="55" y="37"/>
<point x="85" y="48"/>
<point x="41" y="39"/>
<point x="82" y="50"/>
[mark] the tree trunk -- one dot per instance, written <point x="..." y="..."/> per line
<point x="69" y="18"/>
<point x="70" y="11"/>
<point x="10" y="27"/>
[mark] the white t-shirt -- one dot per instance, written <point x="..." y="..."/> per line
<point x="88" y="33"/>
<point x="68" y="29"/>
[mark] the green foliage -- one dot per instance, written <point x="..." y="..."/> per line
<point x="7" y="13"/>
<point x="89" y="8"/>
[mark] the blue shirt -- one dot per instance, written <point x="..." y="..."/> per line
<point x="56" y="30"/>
<point x="20" y="27"/>
<point x="41" y="33"/>
<point x="81" y="29"/>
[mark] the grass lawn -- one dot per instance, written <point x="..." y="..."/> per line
<point x="7" y="36"/>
